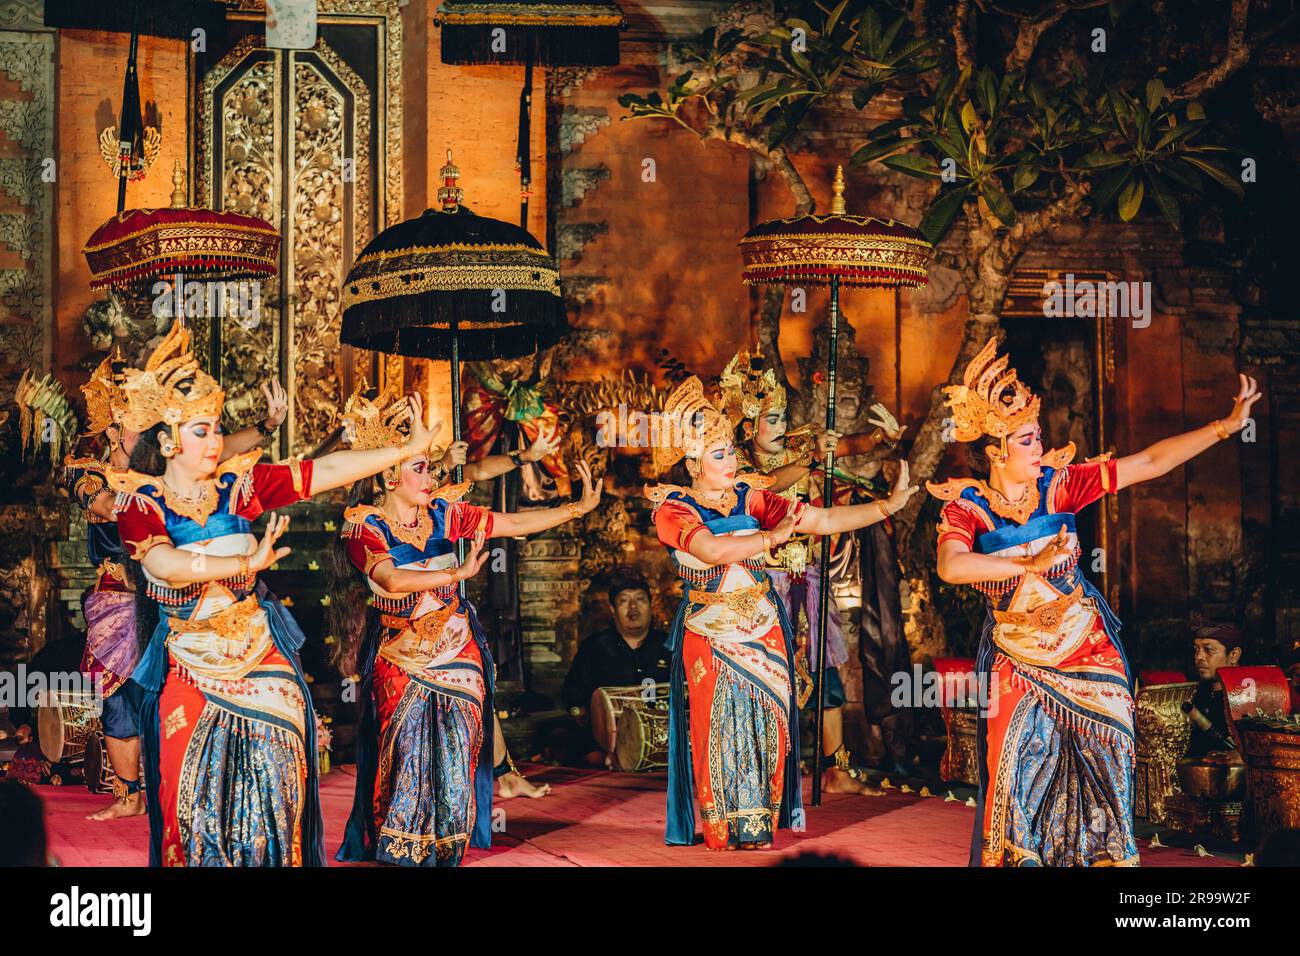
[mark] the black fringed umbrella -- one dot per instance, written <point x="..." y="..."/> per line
<point x="453" y="285"/>
<point x="529" y="33"/>
<point x="833" y="249"/>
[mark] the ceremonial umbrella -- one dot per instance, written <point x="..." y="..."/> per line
<point x="832" y="250"/>
<point x="528" y="32"/>
<point x="138" y="245"/>
<point x="450" y="284"/>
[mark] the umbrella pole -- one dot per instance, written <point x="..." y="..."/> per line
<point x="824" y="583"/>
<point x="130" y="105"/>
<point x="524" y="155"/>
<point x="458" y="473"/>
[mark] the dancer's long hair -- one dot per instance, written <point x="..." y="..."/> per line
<point x="346" y="617"/>
<point x="974" y="454"/>
<point x="147" y="459"/>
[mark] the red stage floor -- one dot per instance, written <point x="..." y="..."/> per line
<point x="608" y="819"/>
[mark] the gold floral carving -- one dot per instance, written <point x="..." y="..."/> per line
<point x="289" y="169"/>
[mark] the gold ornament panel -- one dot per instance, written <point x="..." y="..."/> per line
<point x="304" y="140"/>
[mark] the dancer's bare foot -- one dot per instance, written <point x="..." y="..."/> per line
<point x="128" y="806"/>
<point x="835" y="780"/>
<point x="756" y="846"/>
<point x="516" y="785"/>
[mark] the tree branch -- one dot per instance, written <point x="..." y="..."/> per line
<point x="1240" y="50"/>
<point x="962" y="29"/>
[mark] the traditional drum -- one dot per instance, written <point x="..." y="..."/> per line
<point x="642" y="740"/>
<point x="65" y="724"/>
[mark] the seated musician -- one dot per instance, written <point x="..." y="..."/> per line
<point x="625" y="655"/>
<point x="1213" y="646"/>
<point x="52" y="665"/>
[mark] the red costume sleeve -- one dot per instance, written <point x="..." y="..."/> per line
<point x="676" y="523"/>
<point x="278" y="485"/>
<point x="1080" y="485"/>
<point x="367" y="550"/>
<point x="140" y="526"/>
<point x="464" y="520"/>
<point x="959" y="524"/>
<point x="770" y="509"/>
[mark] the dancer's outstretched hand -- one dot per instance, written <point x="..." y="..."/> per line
<point x="421" y="436"/>
<point x="548" y="443"/>
<point x="784" y="528"/>
<point x="591" y="490"/>
<point x="267" y="553"/>
<point x="902" y="491"/>
<point x="1057" y="550"/>
<point x="884" y="419"/>
<point x="1247" y="395"/>
<point x="474" y="558"/>
<point x="277" y="403"/>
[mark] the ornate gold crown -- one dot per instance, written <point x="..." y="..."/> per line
<point x="991" y="400"/>
<point x="688" y="425"/>
<point x="105" y="403"/>
<point x="376" y="424"/>
<point x="154" y="394"/>
<point x="750" y="391"/>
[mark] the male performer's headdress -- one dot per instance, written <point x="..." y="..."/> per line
<point x="991" y="400"/>
<point x="155" y="394"/>
<point x="688" y="425"/>
<point x="377" y="424"/>
<point x="105" y="401"/>
<point x="749" y="390"/>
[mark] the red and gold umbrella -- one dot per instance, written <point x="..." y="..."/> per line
<point x="836" y="249"/>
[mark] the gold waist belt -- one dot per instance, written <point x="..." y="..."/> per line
<point x="743" y="600"/>
<point x="230" y="622"/>
<point x="428" y="627"/>
<point x="1045" y="617"/>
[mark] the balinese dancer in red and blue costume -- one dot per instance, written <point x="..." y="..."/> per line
<point x="733" y="717"/>
<point x="227" y="728"/>
<point x="753" y="398"/>
<point x="112" y="648"/>
<point x="1055" y="737"/>
<point x="425" y="749"/>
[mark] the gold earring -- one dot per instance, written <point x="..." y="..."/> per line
<point x="168" y="450"/>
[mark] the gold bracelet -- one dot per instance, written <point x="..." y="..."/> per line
<point x="767" y="543"/>
<point x="884" y="509"/>
<point x="243" y="565"/>
<point x="1220" y="429"/>
<point x="574" y="510"/>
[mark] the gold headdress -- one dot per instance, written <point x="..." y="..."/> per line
<point x="688" y="425"/>
<point x="376" y="424"/>
<point x="153" y="395"/>
<point x="750" y="391"/>
<point x="991" y="400"/>
<point x="105" y="402"/>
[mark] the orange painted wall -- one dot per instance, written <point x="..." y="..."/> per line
<point x="91" y="66"/>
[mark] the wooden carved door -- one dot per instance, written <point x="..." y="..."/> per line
<point x="309" y="140"/>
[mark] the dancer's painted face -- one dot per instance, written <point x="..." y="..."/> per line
<point x="415" y="483"/>
<point x="716" y="468"/>
<point x="1024" y="454"/>
<point x="769" y="432"/>
<point x="202" y="441"/>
